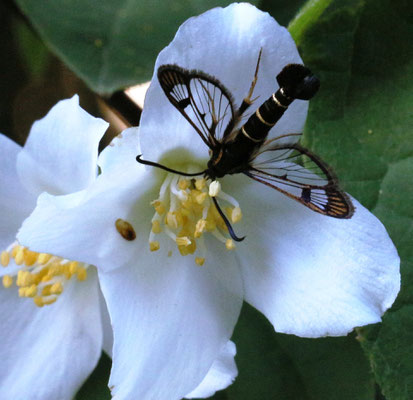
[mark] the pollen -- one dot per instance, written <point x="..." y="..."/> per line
<point x="200" y="261"/>
<point x="229" y="244"/>
<point x="156" y="226"/>
<point x="4" y="258"/>
<point x="154" y="246"/>
<point x="7" y="281"/>
<point x="41" y="277"/>
<point x="185" y="212"/>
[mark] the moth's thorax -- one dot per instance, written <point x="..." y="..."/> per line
<point x="225" y="161"/>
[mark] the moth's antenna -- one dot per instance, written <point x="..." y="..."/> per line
<point x="174" y="171"/>
<point x="227" y="223"/>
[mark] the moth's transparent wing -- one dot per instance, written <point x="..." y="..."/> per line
<point x="302" y="176"/>
<point x="201" y="99"/>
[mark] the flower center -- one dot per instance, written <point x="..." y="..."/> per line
<point x="184" y="211"/>
<point x="39" y="276"/>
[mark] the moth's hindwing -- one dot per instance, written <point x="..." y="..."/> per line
<point x="314" y="185"/>
<point x="205" y="103"/>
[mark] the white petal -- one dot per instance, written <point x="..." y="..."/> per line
<point x="15" y="202"/>
<point x="60" y="154"/>
<point x="106" y="326"/>
<point x="170" y="320"/>
<point x="224" y="43"/>
<point x="47" y="353"/>
<point x="81" y="226"/>
<point x="220" y="376"/>
<point x="313" y="275"/>
<point x="121" y="153"/>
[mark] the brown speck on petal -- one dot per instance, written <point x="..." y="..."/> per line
<point x="125" y="229"/>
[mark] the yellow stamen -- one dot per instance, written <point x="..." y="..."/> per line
<point x="200" y="228"/>
<point x="43" y="258"/>
<point x="200" y="183"/>
<point x="199" y="261"/>
<point x="200" y="198"/>
<point x="73" y="266"/>
<point x="42" y="276"/>
<point x="183" y="184"/>
<point x="81" y="274"/>
<point x="19" y="256"/>
<point x="188" y="212"/>
<point x="14" y="251"/>
<point x="47" y="302"/>
<point x="7" y="281"/>
<point x="30" y="257"/>
<point x="30" y="291"/>
<point x="183" y="241"/>
<point x="4" y="258"/>
<point x="38" y="301"/>
<point x="57" y="288"/>
<point x="156" y="226"/>
<point x="154" y="246"/>
<point x="159" y="207"/>
<point x="174" y="219"/>
<point x="229" y="244"/>
<point x="236" y="215"/>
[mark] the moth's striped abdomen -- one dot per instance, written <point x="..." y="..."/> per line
<point x="266" y="116"/>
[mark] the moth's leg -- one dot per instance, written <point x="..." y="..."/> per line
<point x="165" y="168"/>
<point x="248" y="100"/>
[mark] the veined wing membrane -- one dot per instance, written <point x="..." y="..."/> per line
<point x="201" y="99"/>
<point x="315" y="185"/>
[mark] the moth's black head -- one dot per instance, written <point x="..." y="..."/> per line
<point x="298" y="82"/>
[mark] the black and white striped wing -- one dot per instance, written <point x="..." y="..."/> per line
<point x="314" y="185"/>
<point x="201" y="99"/>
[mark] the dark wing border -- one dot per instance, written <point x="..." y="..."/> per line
<point x="170" y="75"/>
<point x="337" y="204"/>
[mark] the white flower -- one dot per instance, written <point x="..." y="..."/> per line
<point x="311" y="275"/>
<point x="47" y="352"/>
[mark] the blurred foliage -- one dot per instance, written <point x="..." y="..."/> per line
<point x="116" y="45"/>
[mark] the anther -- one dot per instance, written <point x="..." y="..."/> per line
<point x="30" y="257"/>
<point x="229" y="244"/>
<point x="81" y="274"/>
<point x="183" y="184"/>
<point x="154" y="246"/>
<point x="199" y="261"/>
<point x="5" y="258"/>
<point x="214" y="188"/>
<point x="200" y="183"/>
<point x="43" y="258"/>
<point x="174" y="219"/>
<point x="19" y="256"/>
<point x="159" y="207"/>
<point x="183" y="241"/>
<point x="7" y="281"/>
<point x="156" y="226"/>
<point x="73" y="266"/>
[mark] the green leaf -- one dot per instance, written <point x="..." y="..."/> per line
<point x="96" y="387"/>
<point x="282" y="10"/>
<point x="111" y="44"/>
<point x="361" y="123"/>
<point x="287" y="367"/>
